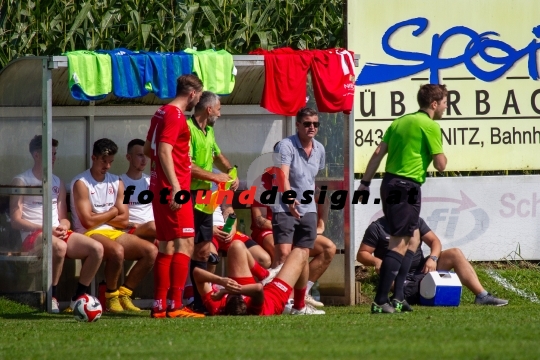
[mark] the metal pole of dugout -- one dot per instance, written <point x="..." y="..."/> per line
<point x="46" y="106"/>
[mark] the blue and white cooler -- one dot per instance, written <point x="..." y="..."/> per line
<point x="440" y="288"/>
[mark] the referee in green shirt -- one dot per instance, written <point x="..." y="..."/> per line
<point x="205" y="153"/>
<point x="412" y="142"/>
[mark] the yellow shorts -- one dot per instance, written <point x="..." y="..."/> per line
<point x="112" y="234"/>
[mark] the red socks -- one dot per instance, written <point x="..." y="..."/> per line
<point x="162" y="281"/>
<point x="178" y="274"/>
<point x="259" y="272"/>
<point x="299" y="295"/>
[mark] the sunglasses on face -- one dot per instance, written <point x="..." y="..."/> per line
<point x="309" y="123"/>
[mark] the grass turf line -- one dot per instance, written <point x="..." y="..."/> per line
<point x="468" y="331"/>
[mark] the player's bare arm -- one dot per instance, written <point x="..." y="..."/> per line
<point x="439" y="162"/>
<point x="147" y="149"/>
<point x="83" y="206"/>
<point x="204" y="279"/>
<point x="15" y="206"/>
<point x="259" y="216"/>
<point x="322" y="212"/>
<point x="166" y="161"/>
<point x="61" y="230"/>
<point x="433" y="242"/>
<point x="286" y="187"/>
<point x="365" y="256"/>
<point x="374" y="163"/>
<point x="121" y="220"/>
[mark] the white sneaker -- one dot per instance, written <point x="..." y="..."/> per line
<point x="272" y="274"/>
<point x="288" y="307"/>
<point x="55" y="309"/>
<point x="307" y="310"/>
<point x="311" y="301"/>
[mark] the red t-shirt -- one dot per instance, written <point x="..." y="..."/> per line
<point x="169" y="125"/>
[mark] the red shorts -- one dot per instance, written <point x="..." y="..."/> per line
<point x="30" y="241"/>
<point x="225" y="246"/>
<point x="259" y="235"/>
<point x="276" y="295"/>
<point x="170" y="224"/>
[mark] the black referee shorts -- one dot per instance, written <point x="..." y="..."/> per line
<point x="401" y="214"/>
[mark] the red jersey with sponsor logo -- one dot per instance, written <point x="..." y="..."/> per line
<point x="169" y="125"/>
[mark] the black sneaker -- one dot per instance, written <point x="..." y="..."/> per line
<point x="490" y="300"/>
<point x="401" y="306"/>
<point x="385" y="308"/>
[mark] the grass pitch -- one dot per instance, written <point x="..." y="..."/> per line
<point x="465" y="332"/>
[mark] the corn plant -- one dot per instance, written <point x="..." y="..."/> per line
<point x="51" y="27"/>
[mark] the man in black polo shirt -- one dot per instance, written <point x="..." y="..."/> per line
<point x="375" y="245"/>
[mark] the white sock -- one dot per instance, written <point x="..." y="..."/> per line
<point x="309" y="286"/>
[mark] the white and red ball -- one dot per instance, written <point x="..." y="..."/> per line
<point x="87" y="309"/>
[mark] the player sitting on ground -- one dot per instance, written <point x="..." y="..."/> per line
<point x="375" y="244"/>
<point x="141" y="216"/>
<point x="323" y="250"/>
<point x="99" y="212"/>
<point x="27" y="216"/>
<point x="241" y="295"/>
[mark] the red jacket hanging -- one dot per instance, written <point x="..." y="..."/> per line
<point x="332" y="74"/>
<point x="285" y="79"/>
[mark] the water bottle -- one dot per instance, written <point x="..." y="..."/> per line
<point x="242" y="226"/>
<point x="229" y="223"/>
<point x="315" y="294"/>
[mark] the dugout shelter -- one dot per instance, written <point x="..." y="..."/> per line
<point x="35" y="99"/>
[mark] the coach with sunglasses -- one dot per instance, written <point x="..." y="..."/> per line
<point x="294" y="220"/>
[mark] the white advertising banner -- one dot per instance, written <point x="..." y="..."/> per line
<point x="489" y="218"/>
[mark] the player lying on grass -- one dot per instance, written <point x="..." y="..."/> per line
<point x="375" y="244"/>
<point x="241" y="295"/>
<point x="221" y="242"/>
<point x="323" y="250"/>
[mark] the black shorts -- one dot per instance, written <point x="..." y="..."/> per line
<point x="204" y="223"/>
<point x="298" y="232"/>
<point x="411" y="290"/>
<point x="401" y="212"/>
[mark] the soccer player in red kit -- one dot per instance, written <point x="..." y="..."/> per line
<point x="241" y="295"/>
<point x="167" y="145"/>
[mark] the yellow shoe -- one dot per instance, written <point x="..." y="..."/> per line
<point x="125" y="299"/>
<point x="112" y="302"/>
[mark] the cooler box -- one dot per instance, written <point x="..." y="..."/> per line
<point x="440" y="288"/>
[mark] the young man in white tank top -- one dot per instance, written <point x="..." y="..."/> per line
<point x="27" y="216"/>
<point x="136" y="193"/>
<point x="99" y="212"/>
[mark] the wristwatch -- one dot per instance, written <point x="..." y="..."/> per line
<point x="434" y="258"/>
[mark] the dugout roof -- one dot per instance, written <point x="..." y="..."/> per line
<point x="21" y="84"/>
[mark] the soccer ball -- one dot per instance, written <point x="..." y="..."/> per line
<point x="87" y="309"/>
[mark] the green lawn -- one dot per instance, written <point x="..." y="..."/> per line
<point x="467" y="331"/>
